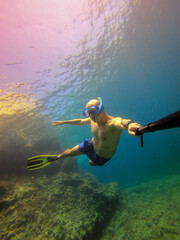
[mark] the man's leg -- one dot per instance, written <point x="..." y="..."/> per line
<point x="71" y="152"/>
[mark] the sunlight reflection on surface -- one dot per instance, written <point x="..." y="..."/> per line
<point x="60" y="48"/>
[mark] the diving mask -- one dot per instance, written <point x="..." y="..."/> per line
<point x="93" y="110"/>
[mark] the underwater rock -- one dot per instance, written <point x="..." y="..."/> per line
<point x="3" y="190"/>
<point x="66" y="206"/>
<point x="4" y="204"/>
<point x="73" y="183"/>
<point x="27" y="137"/>
<point x="147" y="211"/>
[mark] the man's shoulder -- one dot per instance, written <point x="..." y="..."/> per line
<point x="117" y="121"/>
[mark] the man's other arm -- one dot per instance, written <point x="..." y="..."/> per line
<point x="78" y="122"/>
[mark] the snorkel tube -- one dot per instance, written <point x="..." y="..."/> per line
<point x="100" y="107"/>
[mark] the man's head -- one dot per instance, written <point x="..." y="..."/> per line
<point x="93" y="109"/>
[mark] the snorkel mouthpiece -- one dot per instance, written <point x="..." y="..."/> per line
<point x="93" y="110"/>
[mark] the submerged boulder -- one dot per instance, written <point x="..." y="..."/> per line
<point x="65" y="206"/>
<point x="3" y="190"/>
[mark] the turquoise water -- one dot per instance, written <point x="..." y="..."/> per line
<point x="138" y="78"/>
<point x="125" y="52"/>
<point x="55" y="57"/>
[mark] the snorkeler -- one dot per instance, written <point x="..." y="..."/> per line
<point x="106" y="131"/>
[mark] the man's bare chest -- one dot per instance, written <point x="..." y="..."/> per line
<point x="103" y="131"/>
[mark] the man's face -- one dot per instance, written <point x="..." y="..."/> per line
<point x="94" y="117"/>
<point x="93" y="111"/>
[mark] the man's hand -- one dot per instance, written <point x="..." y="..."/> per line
<point x="56" y="123"/>
<point x="132" y="127"/>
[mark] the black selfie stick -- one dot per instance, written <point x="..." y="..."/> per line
<point x="170" y="121"/>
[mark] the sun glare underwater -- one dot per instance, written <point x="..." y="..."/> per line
<point x="55" y="57"/>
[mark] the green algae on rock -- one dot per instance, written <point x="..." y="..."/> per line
<point x="150" y="211"/>
<point x="65" y="206"/>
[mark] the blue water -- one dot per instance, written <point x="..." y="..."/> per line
<point x="140" y="82"/>
<point x="130" y="58"/>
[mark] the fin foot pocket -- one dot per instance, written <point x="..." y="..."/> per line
<point x="52" y="158"/>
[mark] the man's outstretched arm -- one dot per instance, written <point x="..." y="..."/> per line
<point x="129" y="125"/>
<point x="78" y="122"/>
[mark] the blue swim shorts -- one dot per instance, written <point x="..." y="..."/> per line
<point x="87" y="148"/>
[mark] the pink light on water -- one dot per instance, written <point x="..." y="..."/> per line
<point x="35" y="33"/>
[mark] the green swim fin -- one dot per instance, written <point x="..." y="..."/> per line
<point x="40" y="161"/>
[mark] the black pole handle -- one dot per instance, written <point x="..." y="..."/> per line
<point x="170" y="121"/>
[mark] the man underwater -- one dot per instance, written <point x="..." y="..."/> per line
<point x="106" y="131"/>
